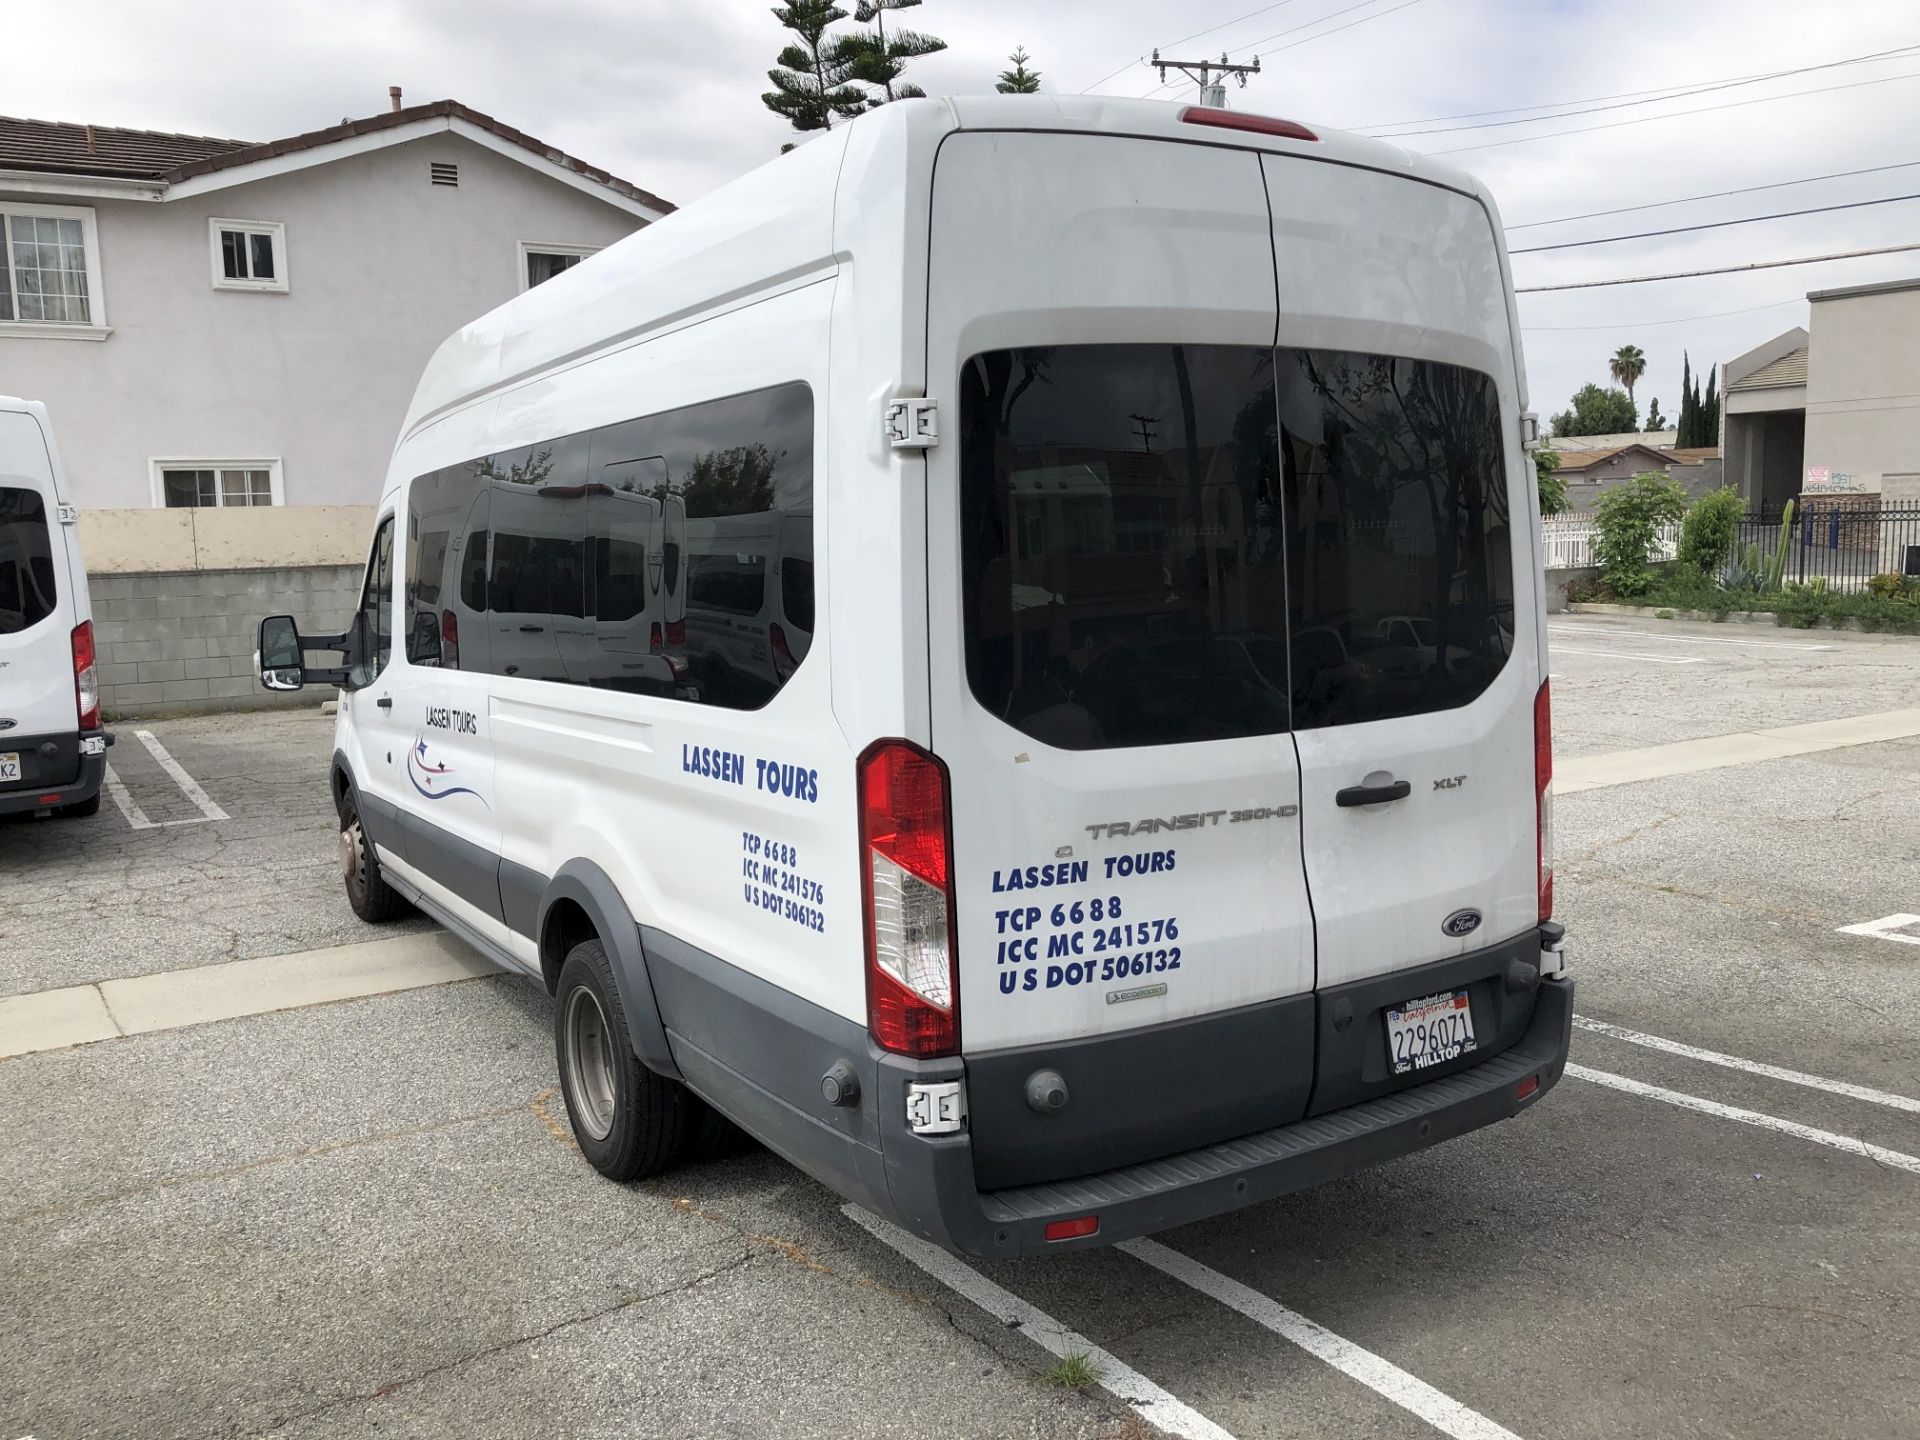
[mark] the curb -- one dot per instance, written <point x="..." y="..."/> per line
<point x="1737" y="617"/>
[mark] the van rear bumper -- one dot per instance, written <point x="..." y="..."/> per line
<point x="937" y="1198"/>
<point x="85" y="784"/>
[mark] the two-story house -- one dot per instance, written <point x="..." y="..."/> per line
<point x="219" y="322"/>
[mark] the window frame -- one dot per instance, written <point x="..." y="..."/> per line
<point x="95" y="327"/>
<point x="275" y="230"/>
<point x="527" y="249"/>
<point x="159" y="465"/>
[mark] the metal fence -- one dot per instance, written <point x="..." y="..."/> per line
<point x="1838" y="543"/>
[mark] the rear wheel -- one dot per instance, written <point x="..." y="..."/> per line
<point x="80" y="809"/>
<point x="372" y="899"/>
<point x="630" y="1123"/>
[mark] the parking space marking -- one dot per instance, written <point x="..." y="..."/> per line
<point x="1758" y="1067"/>
<point x="1681" y="639"/>
<point x="1714" y="752"/>
<point x="1383" y="1377"/>
<point x="136" y="818"/>
<point x="1883" y="929"/>
<point x="1154" y="1404"/>
<point x="1851" y="1144"/>
<point x="188" y="785"/>
<point x="1631" y="655"/>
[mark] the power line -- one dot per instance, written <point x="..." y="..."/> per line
<point x="1714" y="225"/>
<point x="1650" y="324"/>
<point x="1625" y="98"/>
<point x="1719" y="270"/>
<point x="1715" y="195"/>
<point x="1141" y="60"/>
<point x="1672" y="115"/>
<point x="1308" y="25"/>
<point x="1377" y="15"/>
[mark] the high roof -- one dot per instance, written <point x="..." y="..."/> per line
<point x="1789" y="369"/>
<point x="57" y="148"/>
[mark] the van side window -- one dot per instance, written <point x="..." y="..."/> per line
<point x="635" y="557"/>
<point x="375" y="616"/>
<point x="27" y="588"/>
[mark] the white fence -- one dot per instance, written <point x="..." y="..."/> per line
<point x="1569" y="542"/>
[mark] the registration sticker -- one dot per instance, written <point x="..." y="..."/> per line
<point x="1429" y="1030"/>
<point x="9" y="766"/>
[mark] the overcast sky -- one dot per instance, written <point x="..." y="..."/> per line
<point x="667" y="95"/>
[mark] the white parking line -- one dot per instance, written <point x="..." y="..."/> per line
<point x="1852" y="1144"/>
<point x="1713" y="752"/>
<point x="136" y="817"/>
<point x="1155" y="1405"/>
<point x="1883" y="929"/>
<point x="188" y="785"/>
<point x="1630" y="655"/>
<point x="1756" y="1067"/>
<point x="1680" y="639"/>
<point x="1384" y="1378"/>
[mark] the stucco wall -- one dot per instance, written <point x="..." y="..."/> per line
<point x="382" y="266"/>
<point x="1863" y="386"/>
<point x="120" y="542"/>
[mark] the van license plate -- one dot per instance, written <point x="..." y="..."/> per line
<point x="10" y="767"/>
<point x="1429" y="1030"/>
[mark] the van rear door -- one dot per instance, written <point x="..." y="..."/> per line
<point x="37" y="600"/>
<point x="1108" y="646"/>
<point x="1415" y="612"/>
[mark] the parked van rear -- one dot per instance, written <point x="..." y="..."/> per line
<point x="52" y="748"/>
<point x="1104" y="776"/>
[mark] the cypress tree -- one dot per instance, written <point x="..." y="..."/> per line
<point x="1683" y="428"/>
<point x="1710" y="410"/>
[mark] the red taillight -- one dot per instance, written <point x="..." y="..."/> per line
<point x="1526" y="1087"/>
<point x="653" y="638"/>
<point x="1237" y="120"/>
<point x="906" y="837"/>
<point x="86" y="681"/>
<point x="676" y="632"/>
<point x="1543" y="793"/>
<point x="449" y="640"/>
<point x="783" y="662"/>
<point x="1073" y="1229"/>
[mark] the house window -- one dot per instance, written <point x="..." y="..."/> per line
<point x="248" y="254"/>
<point x="184" y="484"/>
<point x="540" y="263"/>
<point x="49" y="271"/>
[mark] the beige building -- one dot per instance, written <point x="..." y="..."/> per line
<point x="218" y="323"/>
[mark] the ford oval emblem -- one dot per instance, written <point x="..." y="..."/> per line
<point x="5" y="724"/>
<point x="1461" y="923"/>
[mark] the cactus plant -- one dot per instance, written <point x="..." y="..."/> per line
<point x="1746" y="568"/>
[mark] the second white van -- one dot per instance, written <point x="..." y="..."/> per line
<point x="1098" y="771"/>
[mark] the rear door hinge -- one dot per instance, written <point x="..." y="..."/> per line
<point x="1529" y="430"/>
<point x="67" y="514"/>
<point x="937" y="1108"/>
<point x="912" y="424"/>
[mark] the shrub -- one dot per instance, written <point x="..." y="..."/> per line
<point x="1895" y="587"/>
<point x="1628" y="521"/>
<point x="1709" y="529"/>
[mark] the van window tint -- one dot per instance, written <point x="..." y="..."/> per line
<point x="1399" y="542"/>
<point x="1172" y="543"/>
<point x="1121" y="549"/>
<point x="633" y="557"/>
<point x="373" y="623"/>
<point x="27" y="582"/>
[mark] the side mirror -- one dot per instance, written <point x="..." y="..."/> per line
<point x="282" y="659"/>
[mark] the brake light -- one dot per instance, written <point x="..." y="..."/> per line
<point x="653" y="638"/>
<point x="1073" y="1229"/>
<point x="1238" y="120"/>
<point x="1543" y="793"/>
<point x="676" y="632"/>
<point x="906" y="839"/>
<point x="86" y="681"/>
<point x="783" y="662"/>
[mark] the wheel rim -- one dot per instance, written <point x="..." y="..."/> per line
<point x="590" y="1078"/>
<point x="353" y="856"/>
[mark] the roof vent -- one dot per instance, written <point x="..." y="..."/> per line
<point x="444" y="172"/>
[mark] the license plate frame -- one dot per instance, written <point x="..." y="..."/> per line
<point x="10" y="767"/>
<point x="1429" y="1030"/>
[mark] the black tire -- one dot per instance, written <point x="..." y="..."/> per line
<point x="80" y="809"/>
<point x="372" y="899"/>
<point x="629" y="1122"/>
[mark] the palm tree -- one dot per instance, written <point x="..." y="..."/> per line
<point x="1627" y="366"/>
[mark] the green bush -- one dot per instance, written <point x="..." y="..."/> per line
<point x="1709" y="529"/>
<point x="1628" y="521"/>
<point x="1895" y="587"/>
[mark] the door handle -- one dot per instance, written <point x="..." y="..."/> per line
<point x="385" y="702"/>
<point x="1372" y="794"/>
<point x="531" y="629"/>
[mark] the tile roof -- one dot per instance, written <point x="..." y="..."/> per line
<point x="1691" y="454"/>
<point x="1789" y="369"/>
<point x="1587" y="459"/>
<point x="98" y="150"/>
<point x="102" y="150"/>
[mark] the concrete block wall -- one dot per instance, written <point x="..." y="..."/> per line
<point x="169" y="641"/>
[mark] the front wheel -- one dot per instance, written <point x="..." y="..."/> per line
<point x="630" y="1123"/>
<point x="372" y="899"/>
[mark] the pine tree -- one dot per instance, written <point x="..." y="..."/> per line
<point x="810" y="88"/>
<point x="1019" y="80"/>
<point x="879" y="57"/>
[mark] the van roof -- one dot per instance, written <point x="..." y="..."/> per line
<point x="774" y="227"/>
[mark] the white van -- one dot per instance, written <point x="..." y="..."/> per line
<point x="52" y="748"/>
<point x="1080" y="875"/>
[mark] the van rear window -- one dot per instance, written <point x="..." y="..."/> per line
<point x="27" y="582"/>
<point x="1164" y="544"/>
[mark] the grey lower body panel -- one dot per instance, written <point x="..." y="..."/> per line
<point x="48" y="781"/>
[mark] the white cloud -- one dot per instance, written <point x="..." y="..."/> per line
<point x="668" y="96"/>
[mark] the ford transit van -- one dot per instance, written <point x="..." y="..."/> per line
<point x="1098" y="771"/>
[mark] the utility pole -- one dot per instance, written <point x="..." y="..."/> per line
<point x="1213" y="91"/>
<point x="1144" y="426"/>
